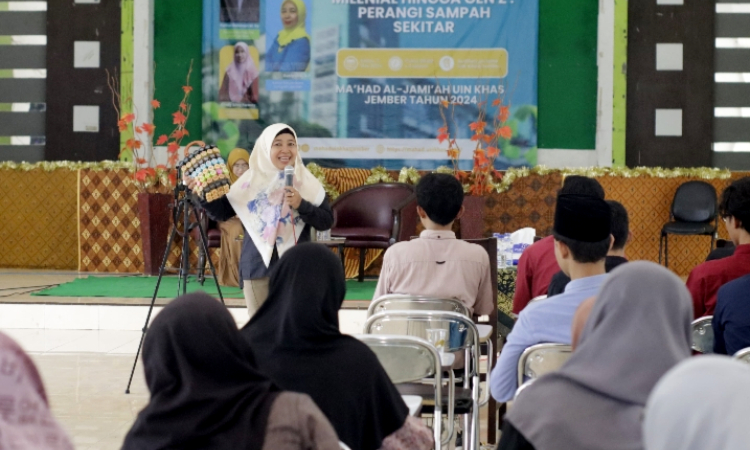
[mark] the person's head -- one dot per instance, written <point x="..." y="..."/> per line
<point x="710" y="391"/>
<point x="305" y="292"/>
<point x="734" y="209"/>
<point x="238" y="162"/>
<point x="581" y="230"/>
<point x="290" y="14"/>
<point x="620" y="226"/>
<point x="284" y="149"/>
<point x="241" y="52"/>
<point x="440" y="199"/>
<point x="580" y="185"/>
<point x="641" y="318"/>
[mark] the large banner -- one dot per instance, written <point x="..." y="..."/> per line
<point x="362" y="81"/>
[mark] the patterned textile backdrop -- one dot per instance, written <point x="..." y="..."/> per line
<point x="648" y="201"/>
<point x="39" y="219"/>
<point x="110" y="229"/>
<point x="530" y="202"/>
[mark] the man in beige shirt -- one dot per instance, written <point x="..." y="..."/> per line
<point x="437" y="264"/>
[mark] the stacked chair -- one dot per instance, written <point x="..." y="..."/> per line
<point x="395" y="317"/>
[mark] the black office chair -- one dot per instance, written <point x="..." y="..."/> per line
<point x="693" y="212"/>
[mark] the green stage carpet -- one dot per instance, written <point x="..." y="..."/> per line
<point x="143" y="287"/>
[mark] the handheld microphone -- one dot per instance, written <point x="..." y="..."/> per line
<point x="288" y="176"/>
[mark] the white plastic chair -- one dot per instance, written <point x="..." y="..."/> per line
<point x="466" y="339"/>
<point x="539" y="359"/>
<point x="408" y="359"/>
<point x="703" y="335"/>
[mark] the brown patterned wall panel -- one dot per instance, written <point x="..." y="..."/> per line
<point x="648" y="201"/>
<point x="530" y="202"/>
<point x="110" y="228"/>
<point x="39" y="220"/>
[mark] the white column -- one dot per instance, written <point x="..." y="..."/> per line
<point x="605" y="54"/>
<point x="143" y="62"/>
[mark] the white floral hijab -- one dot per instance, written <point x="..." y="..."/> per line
<point x="258" y="197"/>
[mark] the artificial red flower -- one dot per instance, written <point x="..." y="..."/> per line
<point x="505" y="132"/>
<point x="173" y="147"/>
<point x="504" y="114"/>
<point x="148" y="128"/>
<point x="477" y="126"/>
<point x="179" y="118"/>
<point x="442" y="136"/>
<point x="155" y="103"/>
<point x="187" y="89"/>
<point x="162" y="139"/>
<point x="493" y="152"/>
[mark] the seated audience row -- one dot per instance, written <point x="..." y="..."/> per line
<point x="288" y="380"/>
<point x="638" y="328"/>
<point x="581" y="241"/>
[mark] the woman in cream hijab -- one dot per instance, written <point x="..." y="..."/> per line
<point x="274" y="217"/>
<point x="703" y="403"/>
<point x="228" y="270"/>
<point x="290" y="51"/>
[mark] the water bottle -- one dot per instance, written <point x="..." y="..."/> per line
<point x="508" y="250"/>
<point x="501" y="264"/>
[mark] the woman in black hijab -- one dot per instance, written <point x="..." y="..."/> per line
<point x="206" y="392"/>
<point x="296" y="341"/>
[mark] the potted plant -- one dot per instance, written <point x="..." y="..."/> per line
<point x="483" y="176"/>
<point x="155" y="182"/>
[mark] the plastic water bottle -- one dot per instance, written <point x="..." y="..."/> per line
<point x="501" y="264"/>
<point x="508" y="250"/>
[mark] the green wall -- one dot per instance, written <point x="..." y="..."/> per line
<point x="568" y="74"/>
<point x="178" y="38"/>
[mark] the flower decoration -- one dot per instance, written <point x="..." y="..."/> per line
<point x="488" y="132"/>
<point x="148" y="176"/>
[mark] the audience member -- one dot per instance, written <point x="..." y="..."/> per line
<point x="706" y="279"/>
<point x="207" y="393"/>
<point x="702" y="403"/>
<point x="731" y="321"/>
<point x="582" y="240"/>
<point x="723" y="249"/>
<point x="296" y="340"/>
<point x="26" y="422"/>
<point x="616" y="256"/>
<point x="232" y="232"/>
<point x="638" y="329"/>
<point x="437" y="264"/>
<point x="579" y="320"/>
<point x="538" y="265"/>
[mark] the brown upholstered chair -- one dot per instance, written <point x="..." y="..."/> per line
<point x="375" y="216"/>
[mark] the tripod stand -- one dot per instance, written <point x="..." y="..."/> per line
<point x="181" y="210"/>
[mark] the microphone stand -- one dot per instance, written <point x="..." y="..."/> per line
<point x="184" y="201"/>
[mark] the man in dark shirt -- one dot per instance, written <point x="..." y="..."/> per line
<point x="615" y="257"/>
<point x="731" y="322"/>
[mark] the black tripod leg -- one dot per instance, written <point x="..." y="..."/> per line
<point x="204" y="244"/>
<point x="185" y="265"/>
<point x="153" y="299"/>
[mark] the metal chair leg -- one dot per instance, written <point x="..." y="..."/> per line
<point x="661" y="243"/>
<point x="362" y="254"/>
<point x="666" y="250"/>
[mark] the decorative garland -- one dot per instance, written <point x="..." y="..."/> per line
<point x="49" y="166"/>
<point x="317" y="171"/>
<point x="411" y="175"/>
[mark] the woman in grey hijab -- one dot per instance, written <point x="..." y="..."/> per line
<point x="703" y="403"/>
<point x="639" y="328"/>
